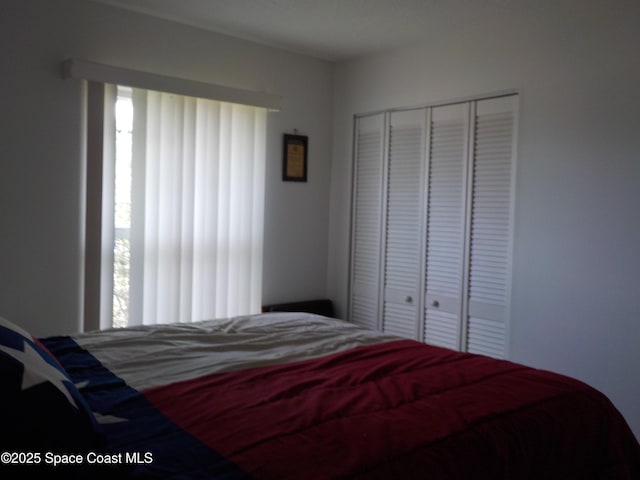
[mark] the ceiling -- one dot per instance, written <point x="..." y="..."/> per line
<point x="332" y="30"/>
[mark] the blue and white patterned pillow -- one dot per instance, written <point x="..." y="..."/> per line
<point x="41" y="409"/>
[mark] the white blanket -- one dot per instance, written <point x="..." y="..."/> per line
<point x="153" y="355"/>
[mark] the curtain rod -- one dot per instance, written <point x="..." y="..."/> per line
<point x="98" y="72"/>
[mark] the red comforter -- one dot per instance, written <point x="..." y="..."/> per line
<point x="403" y="410"/>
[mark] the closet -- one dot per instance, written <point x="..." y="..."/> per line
<point x="432" y="221"/>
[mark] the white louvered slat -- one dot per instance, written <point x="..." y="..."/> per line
<point x="445" y="218"/>
<point x="395" y="319"/>
<point x="486" y="337"/>
<point x="403" y="230"/>
<point x="364" y="311"/>
<point x="367" y="221"/>
<point x="443" y="328"/>
<point x="489" y="264"/>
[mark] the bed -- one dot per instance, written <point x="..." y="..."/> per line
<point x="293" y="396"/>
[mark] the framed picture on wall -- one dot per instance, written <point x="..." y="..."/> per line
<point x="294" y="164"/>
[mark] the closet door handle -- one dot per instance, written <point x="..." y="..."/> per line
<point x="408" y="299"/>
<point x="435" y="304"/>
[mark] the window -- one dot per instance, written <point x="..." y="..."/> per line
<point x="189" y="176"/>
<point x="181" y="207"/>
<point x="174" y="196"/>
<point x="122" y="207"/>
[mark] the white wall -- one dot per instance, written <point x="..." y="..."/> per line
<point x="41" y="150"/>
<point x="576" y="290"/>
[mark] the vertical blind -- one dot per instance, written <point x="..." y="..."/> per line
<point x="198" y="246"/>
<point x="197" y="190"/>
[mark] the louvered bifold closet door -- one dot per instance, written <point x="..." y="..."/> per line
<point x="491" y="224"/>
<point x="446" y="219"/>
<point x="403" y="228"/>
<point x="366" y="232"/>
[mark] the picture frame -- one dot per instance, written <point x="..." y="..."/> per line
<point x="295" y="153"/>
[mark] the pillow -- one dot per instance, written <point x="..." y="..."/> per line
<point x="41" y="409"/>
